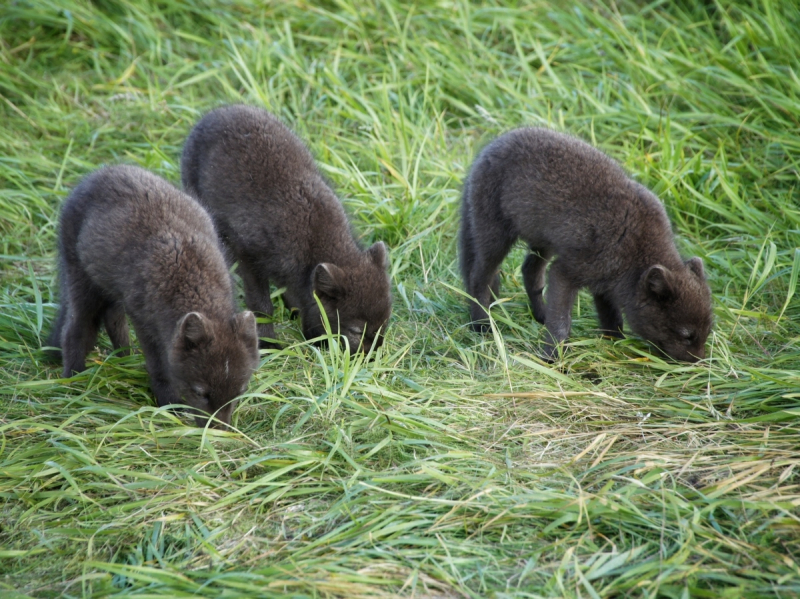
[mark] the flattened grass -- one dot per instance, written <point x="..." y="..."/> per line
<point x="452" y="464"/>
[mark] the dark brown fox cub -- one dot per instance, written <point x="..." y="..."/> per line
<point x="566" y="199"/>
<point x="283" y="223"/>
<point x="132" y="243"/>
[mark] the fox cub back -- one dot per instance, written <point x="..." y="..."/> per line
<point x="129" y="242"/>
<point x="568" y="201"/>
<point x="283" y="223"/>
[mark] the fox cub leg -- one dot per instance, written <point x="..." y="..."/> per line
<point x="117" y="327"/>
<point x="86" y="308"/>
<point x="561" y="294"/>
<point x="533" y="270"/>
<point x="257" y="300"/>
<point x="609" y="316"/>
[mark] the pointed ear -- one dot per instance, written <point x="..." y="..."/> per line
<point x="379" y="254"/>
<point x="657" y="281"/>
<point x="328" y="280"/>
<point x="696" y="266"/>
<point x="245" y="326"/>
<point x="194" y="330"/>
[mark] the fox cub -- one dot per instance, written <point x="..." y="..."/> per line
<point x="282" y="222"/>
<point x="130" y="243"/>
<point x="566" y="199"/>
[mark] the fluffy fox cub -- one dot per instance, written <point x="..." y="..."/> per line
<point x="283" y="223"/>
<point x="130" y="243"/>
<point x="566" y="199"/>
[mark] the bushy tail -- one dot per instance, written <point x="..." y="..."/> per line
<point x="191" y="159"/>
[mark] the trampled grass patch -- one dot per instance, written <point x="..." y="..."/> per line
<point x="452" y="464"/>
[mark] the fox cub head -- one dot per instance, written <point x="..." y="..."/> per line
<point x="673" y="310"/>
<point x="211" y="362"/>
<point x="357" y="300"/>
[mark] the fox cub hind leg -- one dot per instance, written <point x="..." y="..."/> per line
<point x="258" y="300"/>
<point x="79" y="334"/>
<point x="485" y="253"/>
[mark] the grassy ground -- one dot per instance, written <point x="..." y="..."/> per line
<point x="453" y="465"/>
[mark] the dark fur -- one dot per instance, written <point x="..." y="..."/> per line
<point x="131" y="243"/>
<point x="566" y="199"/>
<point x="282" y="223"/>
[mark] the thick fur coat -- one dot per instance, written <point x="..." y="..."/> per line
<point x="130" y="243"/>
<point x="568" y="201"/>
<point x="282" y="223"/>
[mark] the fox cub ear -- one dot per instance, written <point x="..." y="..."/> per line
<point x="658" y="282"/>
<point x="379" y="254"/>
<point x="194" y="330"/>
<point x="328" y="280"/>
<point x="696" y="266"/>
<point x="245" y="325"/>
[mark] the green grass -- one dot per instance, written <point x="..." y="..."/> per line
<point x="452" y="465"/>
